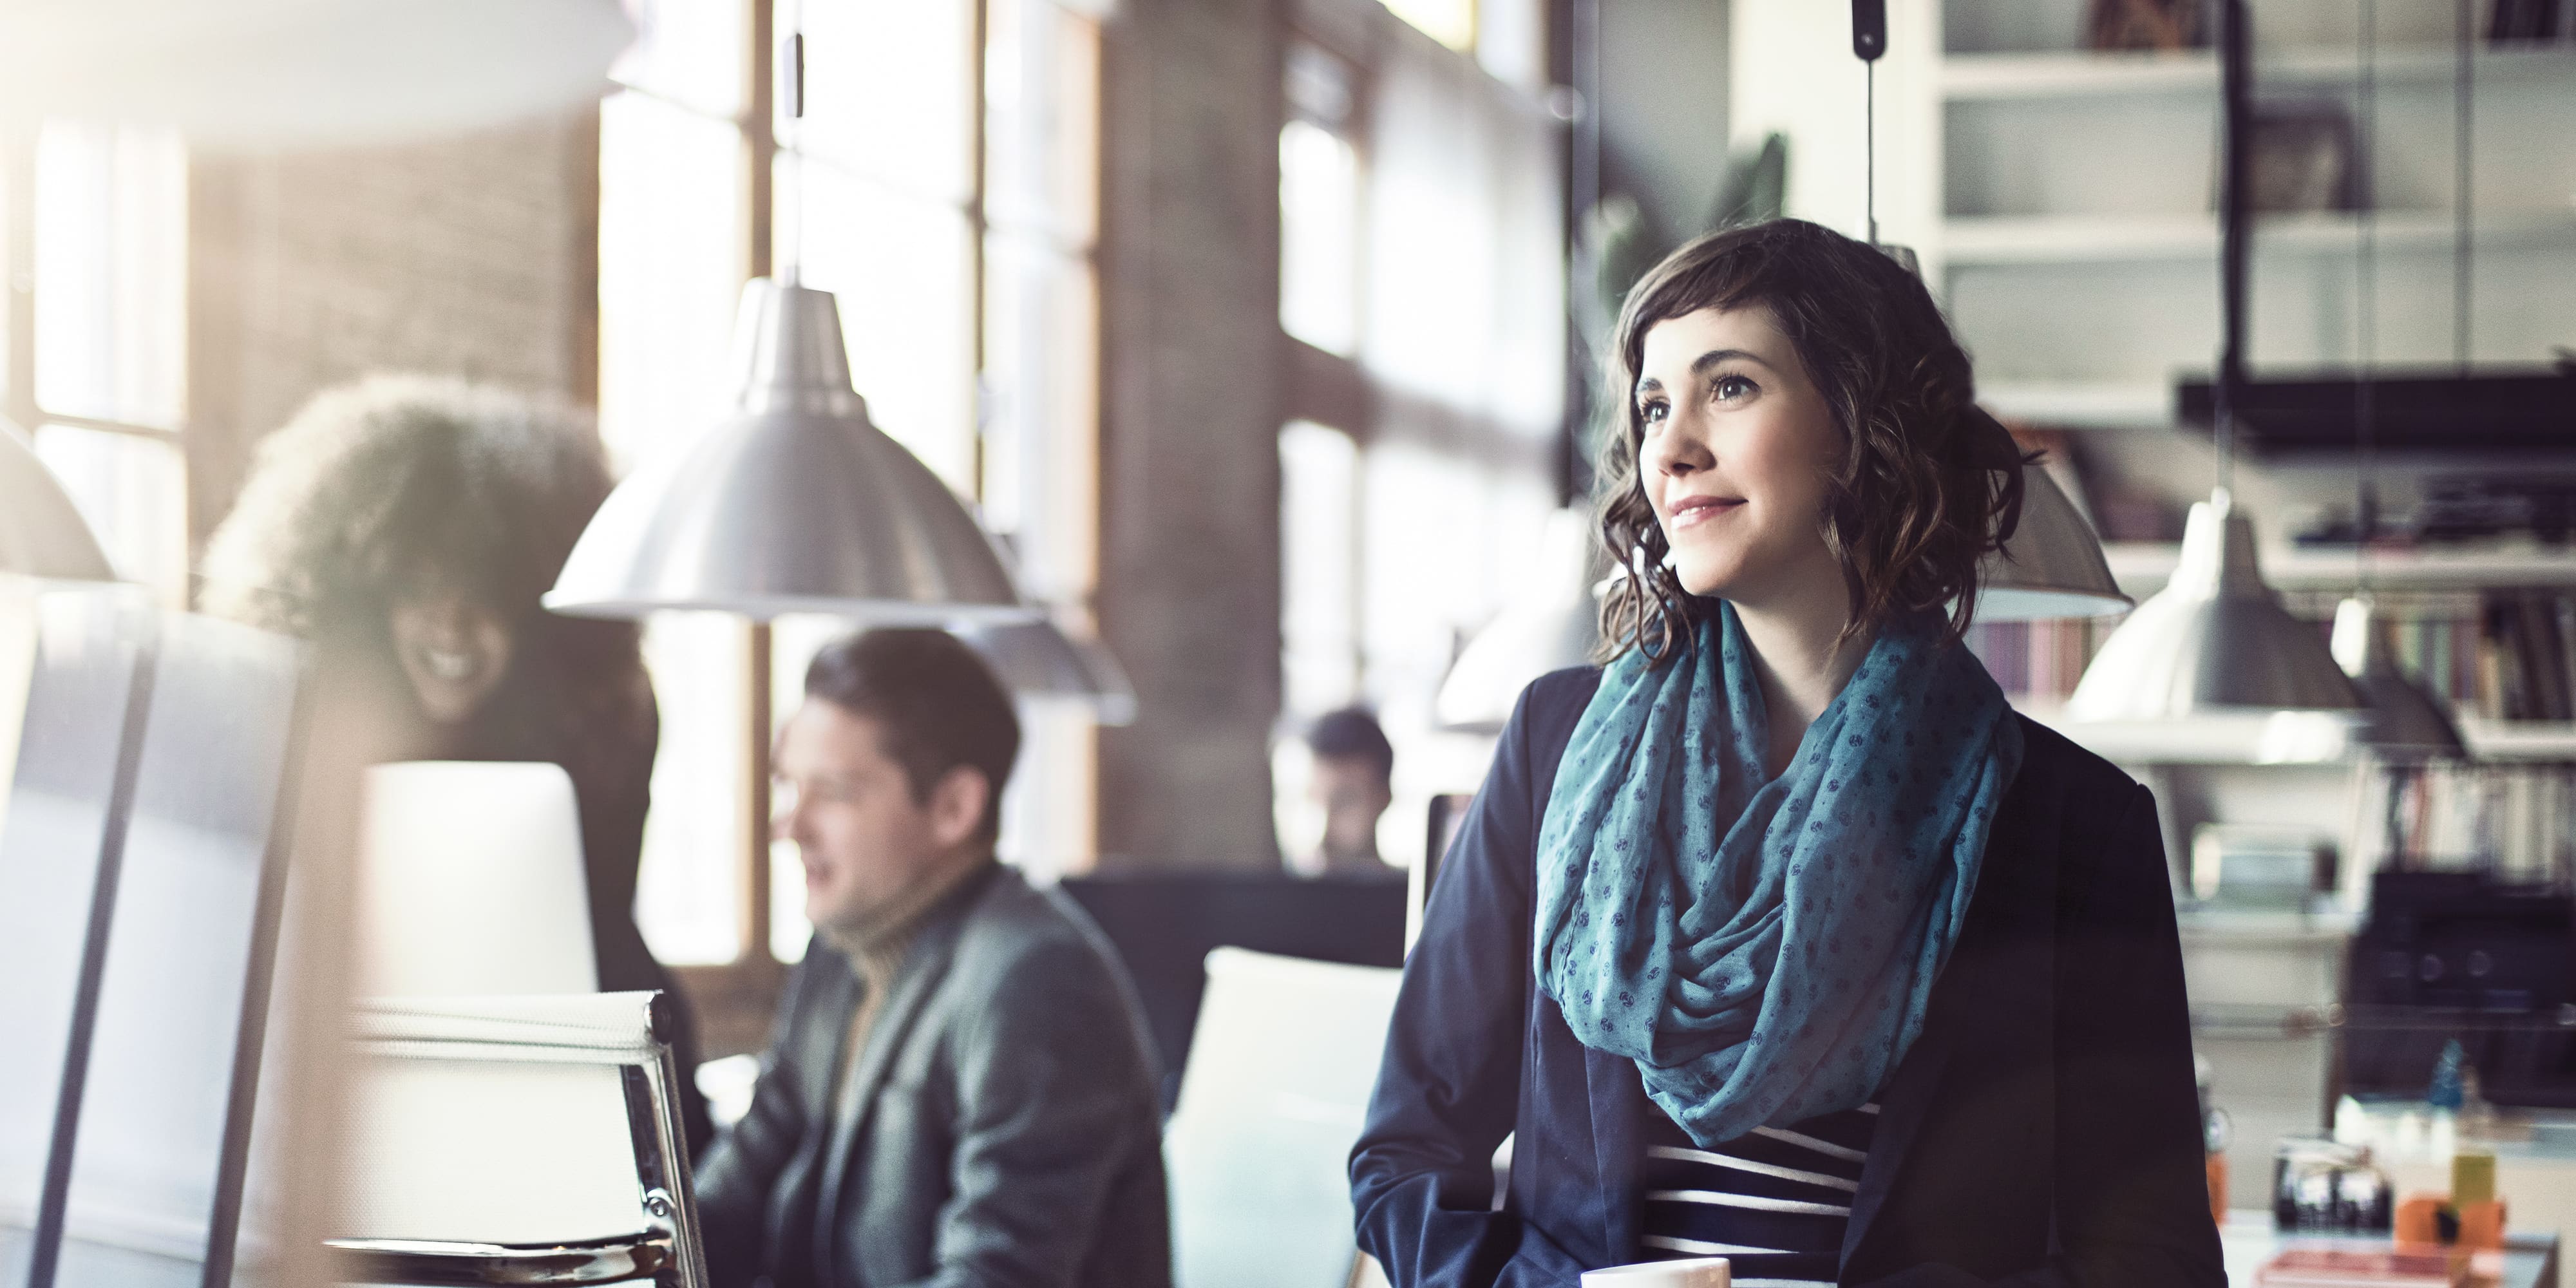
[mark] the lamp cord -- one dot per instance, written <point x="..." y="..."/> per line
<point x="2366" y="271"/>
<point x="2463" y="88"/>
<point x="791" y="71"/>
<point x="1869" y="146"/>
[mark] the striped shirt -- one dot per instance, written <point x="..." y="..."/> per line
<point x="1775" y="1200"/>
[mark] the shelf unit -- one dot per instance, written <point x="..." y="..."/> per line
<point x="2060" y="204"/>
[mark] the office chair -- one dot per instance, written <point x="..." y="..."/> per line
<point x="517" y="1140"/>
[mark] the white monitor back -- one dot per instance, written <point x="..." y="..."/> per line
<point x="1281" y="1066"/>
<point x="470" y="882"/>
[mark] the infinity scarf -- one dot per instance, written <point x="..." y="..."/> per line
<point x="1764" y="948"/>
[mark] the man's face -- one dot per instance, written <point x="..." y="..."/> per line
<point x="863" y="837"/>
<point x="1353" y="794"/>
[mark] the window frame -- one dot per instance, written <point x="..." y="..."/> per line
<point x="18" y="269"/>
<point x="734" y="999"/>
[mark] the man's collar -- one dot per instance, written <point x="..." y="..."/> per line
<point x="875" y="944"/>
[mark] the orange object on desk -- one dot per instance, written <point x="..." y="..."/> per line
<point x="2216" y="1171"/>
<point x="2474" y="1226"/>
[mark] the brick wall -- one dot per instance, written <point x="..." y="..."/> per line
<point x="475" y="256"/>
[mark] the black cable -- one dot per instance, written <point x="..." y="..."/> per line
<point x="2366" y="273"/>
<point x="2463" y="83"/>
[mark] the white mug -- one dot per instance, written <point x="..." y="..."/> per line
<point x="1685" y="1272"/>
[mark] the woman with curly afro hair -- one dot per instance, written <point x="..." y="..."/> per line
<point x="407" y="526"/>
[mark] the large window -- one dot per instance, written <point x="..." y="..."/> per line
<point x="94" y="260"/>
<point x="1422" y="287"/>
<point x="941" y="182"/>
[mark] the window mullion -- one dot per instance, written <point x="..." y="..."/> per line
<point x="17" y="273"/>
<point x="761" y="196"/>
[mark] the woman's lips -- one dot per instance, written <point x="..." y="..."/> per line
<point x="1696" y="510"/>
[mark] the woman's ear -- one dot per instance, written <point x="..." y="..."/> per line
<point x="957" y="805"/>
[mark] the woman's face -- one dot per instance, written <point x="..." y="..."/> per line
<point x="454" y="648"/>
<point x="1737" y="450"/>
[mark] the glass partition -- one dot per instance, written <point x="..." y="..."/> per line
<point x="139" y="887"/>
<point x="81" y="676"/>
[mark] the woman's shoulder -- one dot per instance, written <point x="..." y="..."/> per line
<point x="2077" y="779"/>
<point x="1549" y="708"/>
<point x="2083" y="808"/>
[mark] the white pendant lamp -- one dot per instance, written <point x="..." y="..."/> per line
<point x="292" y="73"/>
<point x="1043" y="662"/>
<point x="1556" y="625"/>
<point x="796" y="503"/>
<point x="2215" y="639"/>
<point x="2052" y="567"/>
<point x="2399" y="720"/>
<point x="41" y="532"/>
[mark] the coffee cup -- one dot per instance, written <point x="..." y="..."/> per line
<point x="1685" y="1272"/>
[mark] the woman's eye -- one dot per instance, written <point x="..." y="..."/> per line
<point x="1653" y="413"/>
<point x="1731" y="387"/>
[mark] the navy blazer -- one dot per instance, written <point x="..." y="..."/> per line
<point x="2043" y="1130"/>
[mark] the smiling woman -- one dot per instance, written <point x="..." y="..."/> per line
<point x="406" y="526"/>
<point x="1779" y="936"/>
<point x="1831" y="364"/>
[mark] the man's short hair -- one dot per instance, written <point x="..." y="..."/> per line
<point x="936" y="704"/>
<point x="1353" y="732"/>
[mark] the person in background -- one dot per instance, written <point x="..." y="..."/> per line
<point x="1351" y="782"/>
<point x="1779" y="936"/>
<point x="959" y="1089"/>
<point x="408" y="526"/>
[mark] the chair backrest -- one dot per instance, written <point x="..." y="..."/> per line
<point x="1164" y="924"/>
<point x="1280" y="1070"/>
<point x="470" y="882"/>
<point x="489" y="1135"/>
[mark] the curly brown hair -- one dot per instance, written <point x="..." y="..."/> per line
<point x="378" y="488"/>
<point x="1926" y="483"/>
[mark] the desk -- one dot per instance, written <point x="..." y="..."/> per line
<point x="2248" y="1240"/>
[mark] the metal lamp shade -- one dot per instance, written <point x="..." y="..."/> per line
<point x="41" y="533"/>
<point x="2053" y="565"/>
<point x="796" y="503"/>
<point x="1556" y="624"/>
<point x="1521" y="644"/>
<point x="298" y="73"/>
<point x="2399" y="720"/>
<point x="1042" y="661"/>
<point x="2215" y="639"/>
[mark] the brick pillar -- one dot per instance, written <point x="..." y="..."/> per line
<point x="1189" y="595"/>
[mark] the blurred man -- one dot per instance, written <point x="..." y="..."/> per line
<point x="1352" y="782"/>
<point x="958" y="1090"/>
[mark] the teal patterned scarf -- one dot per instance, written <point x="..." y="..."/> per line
<point x="1763" y="948"/>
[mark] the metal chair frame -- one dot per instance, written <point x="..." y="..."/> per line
<point x="666" y="1252"/>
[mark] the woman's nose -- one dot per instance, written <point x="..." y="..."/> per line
<point x="1672" y="452"/>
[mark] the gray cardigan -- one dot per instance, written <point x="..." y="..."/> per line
<point x="1008" y="1134"/>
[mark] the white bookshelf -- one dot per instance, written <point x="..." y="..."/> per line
<point x="2060" y="202"/>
